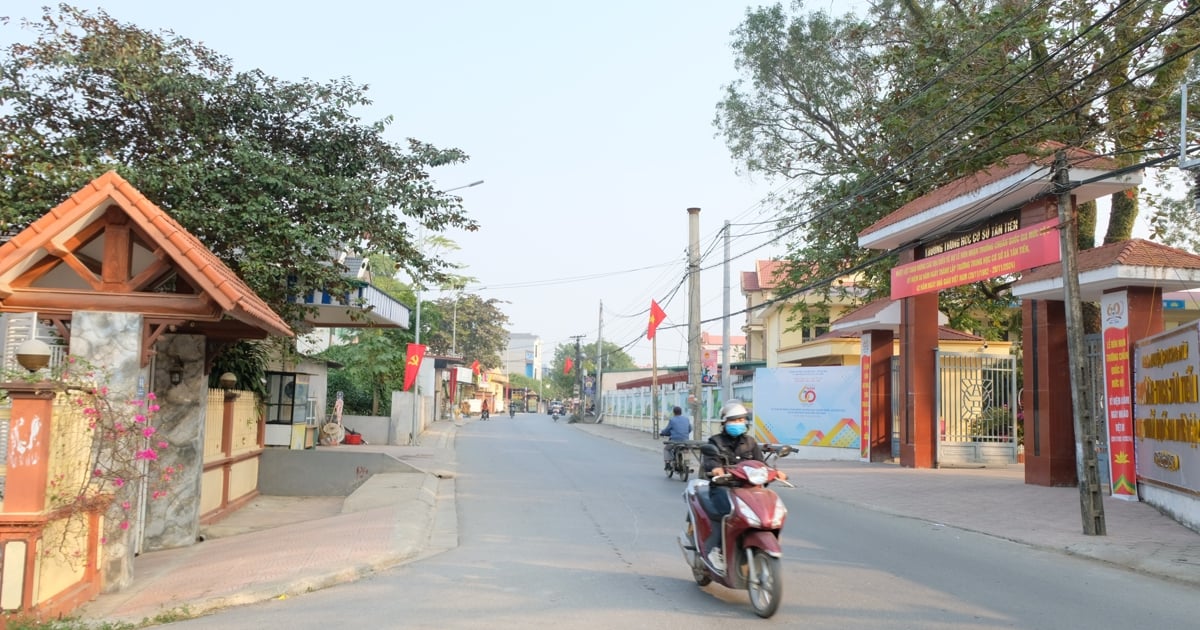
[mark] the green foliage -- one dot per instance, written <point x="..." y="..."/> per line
<point x="863" y="114"/>
<point x="563" y="386"/>
<point x="374" y="365"/>
<point x="228" y="154"/>
<point x="468" y="326"/>
<point x="357" y="397"/>
<point x="246" y="360"/>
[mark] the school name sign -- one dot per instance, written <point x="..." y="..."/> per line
<point x="983" y="259"/>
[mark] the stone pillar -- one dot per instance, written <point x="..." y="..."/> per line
<point x="174" y="521"/>
<point x="28" y="447"/>
<point x="114" y="341"/>
<point x="881" y="394"/>
<point x="918" y="366"/>
<point x="1049" y="423"/>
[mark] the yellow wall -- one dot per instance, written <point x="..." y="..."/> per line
<point x="211" y="487"/>
<point x="245" y="423"/>
<point x="65" y="565"/>
<point x="243" y="479"/>
<point x="213" y="416"/>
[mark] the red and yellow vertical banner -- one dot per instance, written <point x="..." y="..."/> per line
<point x="412" y="363"/>
<point x="1114" y="316"/>
<point x="864" y="451"/>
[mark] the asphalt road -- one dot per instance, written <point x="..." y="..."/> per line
<point x="561" y="529"/>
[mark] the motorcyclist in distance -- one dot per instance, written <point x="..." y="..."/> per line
<point x="734" y="444"/>
<point x="678" y="429"/>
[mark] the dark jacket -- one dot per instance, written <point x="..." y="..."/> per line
<point x="734" y="450"/>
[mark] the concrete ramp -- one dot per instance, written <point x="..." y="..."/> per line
<point x="322" y="473"/>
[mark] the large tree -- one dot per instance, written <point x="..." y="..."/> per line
<point x="468" y="326"/>
<point x="564" y="384"/>
<point x="864" y="113"/>
<point x="273" y="176"/>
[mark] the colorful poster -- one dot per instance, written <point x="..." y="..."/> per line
<point x="1122" y="465"/>
<point x="809" y="406"/>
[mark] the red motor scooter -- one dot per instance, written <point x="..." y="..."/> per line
<point x="749" y="534"/>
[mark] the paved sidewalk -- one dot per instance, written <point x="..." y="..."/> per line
<point x="992" y="501"/>
<point x="282" y="546"/>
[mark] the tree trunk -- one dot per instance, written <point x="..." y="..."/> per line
<point x="1122" y="216"/>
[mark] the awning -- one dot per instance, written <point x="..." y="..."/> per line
<point x="364" y="306"/>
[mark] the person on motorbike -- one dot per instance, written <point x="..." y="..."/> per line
<point x="485" y="411"/>
<point x="734" y="444"/>
<point x="678" y="429"/>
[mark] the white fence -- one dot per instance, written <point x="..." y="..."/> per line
<point x="633" y="408"/>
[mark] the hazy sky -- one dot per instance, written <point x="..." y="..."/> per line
<point x="590" y="124"/>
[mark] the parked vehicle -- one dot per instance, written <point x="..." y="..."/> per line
<point x="749" y="534"/>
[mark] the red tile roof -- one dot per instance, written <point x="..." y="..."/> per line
<point x="1134" y="253"/>
<point x="191" y="258"/>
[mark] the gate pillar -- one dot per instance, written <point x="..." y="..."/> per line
<point x="881" y="394"/>
<point x="1049" y="423"/>
<point x="918" y="357"/>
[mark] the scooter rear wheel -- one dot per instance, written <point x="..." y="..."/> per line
<point x="765" y="587"/>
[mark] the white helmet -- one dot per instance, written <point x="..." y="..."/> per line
<point x="734" y="410"/>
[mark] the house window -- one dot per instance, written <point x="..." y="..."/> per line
<point x="287" y="398"/>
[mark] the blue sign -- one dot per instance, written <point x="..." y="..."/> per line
<point x="1174" y="305"/>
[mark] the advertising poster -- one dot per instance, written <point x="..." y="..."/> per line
<point x="1122" y="465"/>
<point x="865" y="450"/>
<point x="809" y="406"/>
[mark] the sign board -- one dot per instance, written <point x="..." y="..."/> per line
<point x="1010" y="252"/>
<point x="1122" y="463"/>
<point x="809" y="406"/>
<point x="1166" y="409"/>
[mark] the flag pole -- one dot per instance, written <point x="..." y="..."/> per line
<point x="654" y="382"/>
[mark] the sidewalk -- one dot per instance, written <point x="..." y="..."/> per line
<point x="992" y="501"/>
<point x="282" y="546"/>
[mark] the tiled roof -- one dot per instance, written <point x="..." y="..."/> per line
<point x="1134" y="252"/>
<point x="1078" y="158"/>
<point x="190" y="257"/>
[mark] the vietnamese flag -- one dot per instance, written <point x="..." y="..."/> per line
<point x="656" y="317"/>
<point x="475" y="367"/>
<point x="412" y="363"/>
<point x="567" y="365"/>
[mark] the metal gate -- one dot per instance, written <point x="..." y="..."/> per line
<point x="977" y="409"/>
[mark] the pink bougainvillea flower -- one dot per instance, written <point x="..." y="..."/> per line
<point x="97" y="472"/>
<point x="151" y="396"/>
<point x="162" y="445"/>
<point x="118" y="482"/>
<point x="125" y="505"/>
<point x="148" y="431"/>
<point x="124" y="524"/>
<point x="153" y="407"/>
<point x="149" y="454"/>
<point x="139" y="418"/>
<point x="119" y="428"/>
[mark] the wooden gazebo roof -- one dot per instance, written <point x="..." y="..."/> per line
<point x="108" y="248"/>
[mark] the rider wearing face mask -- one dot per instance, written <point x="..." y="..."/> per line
<point x="735" y="444"/>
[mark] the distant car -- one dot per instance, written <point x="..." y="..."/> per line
<point x="556" y="406"/>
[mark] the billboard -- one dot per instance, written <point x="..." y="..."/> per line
<point x="809" y="406"/>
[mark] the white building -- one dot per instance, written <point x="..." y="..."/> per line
<point x="523" y="355"/>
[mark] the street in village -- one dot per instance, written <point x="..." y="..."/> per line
<point x="559" y="527"/>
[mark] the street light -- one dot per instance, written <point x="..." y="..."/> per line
<point x="463" y="186"/>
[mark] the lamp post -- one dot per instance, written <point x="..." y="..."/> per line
<point x="412" y="439"/>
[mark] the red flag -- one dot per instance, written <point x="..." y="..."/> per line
<point x="475" y="367"/>
<point x="656" y="317"/>
<point x="567" y="365"/>
<point x="412" y="363"/>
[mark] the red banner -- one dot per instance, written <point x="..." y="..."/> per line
<point x="1118" y="391"/>
<point x="1023" y="249"/>
<point x="656" y="317"/>
<point x="567" y="365"/>
<point x="412" y="363"/>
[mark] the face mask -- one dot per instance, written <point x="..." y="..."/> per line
<point x="735" y="428"/>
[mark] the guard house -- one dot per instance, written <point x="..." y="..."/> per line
<point x="996" y="222"/>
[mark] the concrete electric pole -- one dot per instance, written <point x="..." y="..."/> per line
<point x="694" y="319"/>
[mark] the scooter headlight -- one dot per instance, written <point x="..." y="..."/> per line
<point x="757" y="476"/>
<point x="746" y="513"/>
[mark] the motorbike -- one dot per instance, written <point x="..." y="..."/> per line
<point x="512" y="413"/>
<point x="485" y="415"/>
<point x="555" y="414"/>
<point x="679" y="464"/>
<point x="749" y="534"/>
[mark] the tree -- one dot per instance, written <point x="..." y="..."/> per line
<point x="564" y="385"/>
<point x="226" y="153"/>
<point x="466" y="325"/>
<point x="867" y="113"/>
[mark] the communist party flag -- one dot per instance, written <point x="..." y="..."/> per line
<point x="567" y="365"/>
<point x="475" y="367"/>
<point x="412" y="363"/>
<point x="656" y="317"/>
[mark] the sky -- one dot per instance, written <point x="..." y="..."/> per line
<point x="590" y="125"/>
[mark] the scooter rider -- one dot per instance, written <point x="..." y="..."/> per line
<point x="678" y="429"/>
<point x="735" y="444"/>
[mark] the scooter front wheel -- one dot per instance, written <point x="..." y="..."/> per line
<point x="765" y="585"/>
<point x="698" y="573"/>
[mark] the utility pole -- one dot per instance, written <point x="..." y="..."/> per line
<point x="726" y="377"/>
<point x="579" y="370"/>
<point x="694" y="319"/>
<point x="599" y="360"/>
<point x="1091" y="500"/>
